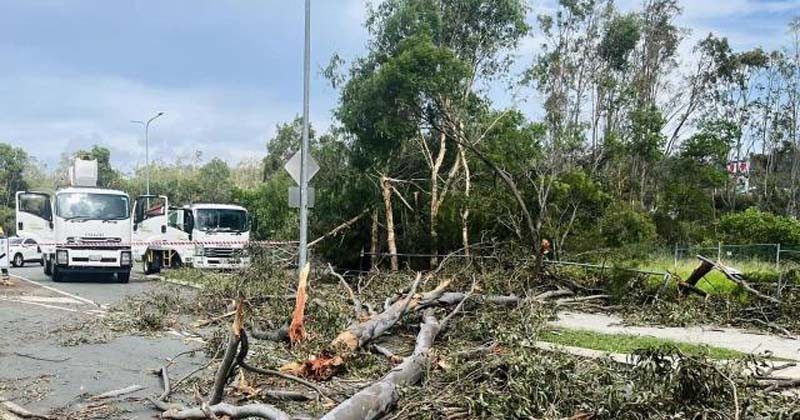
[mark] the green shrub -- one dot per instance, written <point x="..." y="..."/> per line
<point x="754" y="226"/>
<point x="624" y="225"/>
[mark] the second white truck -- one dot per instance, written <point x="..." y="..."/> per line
<point x="198" y="235"/>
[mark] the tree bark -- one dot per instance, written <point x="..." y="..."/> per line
<point x="373" y="243"/>
<point x="263" y="411"/>
<point x="224" y="369"/>
<point x="465" y="210"/>
<point x="360" y="333"/>
<point x="377" y="399"/>
<point x="390" y="239"/>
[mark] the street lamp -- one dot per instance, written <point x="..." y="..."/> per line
<point x="147" y="147"/>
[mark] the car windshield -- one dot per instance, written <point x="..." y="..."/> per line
<point x="227" y="220"/>
<point x="92" y="206"/>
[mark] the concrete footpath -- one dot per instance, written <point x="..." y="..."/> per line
<point x="729" y="338"/>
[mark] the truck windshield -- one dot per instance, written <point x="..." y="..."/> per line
<point x="92" y="206"/>
<point x="226" y="220"/>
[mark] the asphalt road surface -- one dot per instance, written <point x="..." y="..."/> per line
<point x="40" y="373"/>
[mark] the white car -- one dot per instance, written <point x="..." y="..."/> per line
<point x="23" y="250"/>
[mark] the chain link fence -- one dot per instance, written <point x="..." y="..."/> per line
<point x="730" y="254"/>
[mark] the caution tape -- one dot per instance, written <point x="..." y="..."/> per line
<point x="110" y="244"/>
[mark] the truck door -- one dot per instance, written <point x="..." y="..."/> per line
<point x="149" y="221"/>
<point x="34" y="213"/>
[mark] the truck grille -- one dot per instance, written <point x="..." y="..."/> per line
<point x="223" y="252"/>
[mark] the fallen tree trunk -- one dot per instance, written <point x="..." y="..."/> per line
<point x="361" y="333"/>
<point x="735" y="276"/>
<point x="263" y="411"/>
<point x="377" y="399"/>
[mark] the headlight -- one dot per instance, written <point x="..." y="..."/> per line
<point x="62" y="257"/>
<point x="125" y="258"/>
<point x="199" y="250"/>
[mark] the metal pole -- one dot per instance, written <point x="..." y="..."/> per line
<point x="303" y="251"/>
<point x="778" y="256"/>
<point x="719" y="252"/>
<point x="147" y="156"/>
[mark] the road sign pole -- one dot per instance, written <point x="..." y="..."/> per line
<point x="303" y="249"/>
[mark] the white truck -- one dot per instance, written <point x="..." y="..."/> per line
<point x="80" y="229"/>
<point x="197" y="235"/>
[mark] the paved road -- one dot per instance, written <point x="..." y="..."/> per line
<point x="40" y="373"/>
<point x="100" y="289"/>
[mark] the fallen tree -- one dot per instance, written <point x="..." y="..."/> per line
<point x="377" y="399"/>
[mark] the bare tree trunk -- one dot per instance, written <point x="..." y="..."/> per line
<point x="434" y="211"/>
<point x="373" y="243"/>
<point x="465" y="209"/>
<point x="390" y="240"/>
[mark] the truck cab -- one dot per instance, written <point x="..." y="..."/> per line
<point x="199" y="235"/>
<point x="80" y="229"/>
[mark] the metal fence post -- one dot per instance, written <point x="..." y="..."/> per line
<point x="778" y="256"/>
<point x="719" y="251"/>
<point x="675" y="265"/>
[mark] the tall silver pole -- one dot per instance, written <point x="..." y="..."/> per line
<point x="303" y="251"/>
<point x="147" y="156"/>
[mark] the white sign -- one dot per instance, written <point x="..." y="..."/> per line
<point x="294" y="197"/>
<point x="293" y="167"/>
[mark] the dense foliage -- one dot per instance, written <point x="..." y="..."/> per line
<point x="628" y="145"/>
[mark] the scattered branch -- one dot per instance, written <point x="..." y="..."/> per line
<point x="263" y="411"/>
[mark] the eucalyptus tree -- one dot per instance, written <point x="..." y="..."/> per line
<point x="419" y="87"/>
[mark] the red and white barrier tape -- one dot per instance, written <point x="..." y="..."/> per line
<point x="164" y="242"/>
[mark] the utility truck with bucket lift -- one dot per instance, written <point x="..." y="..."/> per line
<point x="198" y="235"/>
<point x="81" y="228"/>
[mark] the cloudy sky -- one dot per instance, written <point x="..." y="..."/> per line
<point x="74" y="72"/>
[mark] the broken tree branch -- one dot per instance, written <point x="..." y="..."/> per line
<point x="296" y="330"/>
<point x="335" y="231"/>
<point x="117" y="392"/>
<point x="223" y="372"/>
<point x="356" y="301"/>
<point x="23" y="412"/>
<point x="375" y="400"/>
<point x="360" y="333"/>
<point x="263" y="411"/>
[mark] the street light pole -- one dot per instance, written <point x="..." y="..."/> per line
<point x="147" y="148"/>
<point x="304" y="152"/>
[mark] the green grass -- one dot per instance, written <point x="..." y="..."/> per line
<point x="626" y="344"/>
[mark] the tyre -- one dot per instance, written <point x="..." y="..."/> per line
<point x="19" y="261"/>
<point x="48" y="266"/>
<point x="58" y="275"/>
<point x="154" y="265"/>
<point x="123" y="277"/>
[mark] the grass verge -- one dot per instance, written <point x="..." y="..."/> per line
<point x="626" y="344"/>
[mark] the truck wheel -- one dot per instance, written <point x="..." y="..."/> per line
<point x="48" y="266"/>
<point x="18" y="261"/>
<point x="152" y="267"/>
<point x="123" y="277"/>
<point x="58" y="275"/>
